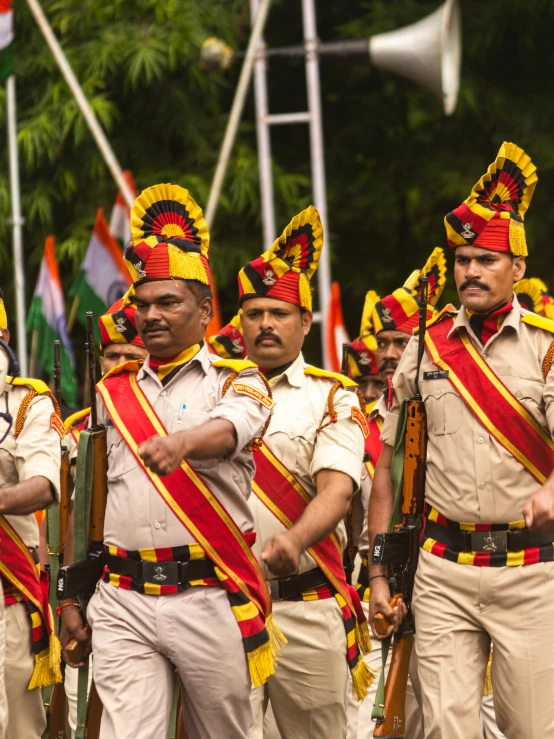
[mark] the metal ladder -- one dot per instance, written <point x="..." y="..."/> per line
<point x="264" y="121"/>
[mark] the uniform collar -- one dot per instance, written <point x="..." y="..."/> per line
<point x="294" y="374"/>
<point x="512" y="320"/>
<point x="202" y="358"/>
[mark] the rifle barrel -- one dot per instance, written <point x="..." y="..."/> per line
<point x="91" y="362"/>
<point x="422" y="326"/>
<point x="57" y="374"/>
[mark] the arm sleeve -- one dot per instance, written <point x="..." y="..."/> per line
<point x="340" y="446"/>
<point x="241" y="408"/>
<point x="38" y="445"/>
<point x="403" y="384"/>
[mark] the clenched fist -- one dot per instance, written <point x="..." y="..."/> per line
<point x="282" y="553"/>
<point x="163" y="455"/>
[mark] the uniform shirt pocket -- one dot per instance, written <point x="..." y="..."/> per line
<point x="530" y="394"/>
<point x="293" y="441"/>
<point x="187" y="420"/>
<point x="120" y="458"/>
<point x="443" y="406"/>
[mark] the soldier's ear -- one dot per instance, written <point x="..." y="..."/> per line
<point x="5" y="335"/>
<point x="519" y="266"/>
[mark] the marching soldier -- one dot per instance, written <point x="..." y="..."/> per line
<point x="381" y="345"/>
<point x="30" y="431"/>
<point x="362" y="364"/>
<point x="182" y="587"/>
<point x="306" y="473"/>
<point x="486" y="553"/>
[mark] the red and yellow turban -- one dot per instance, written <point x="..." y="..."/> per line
<point x="3" y="316"/>
<point x="284" y="271"/>
<point x="399" y="311"/>
<point x="170" y="238"/>
<point x="229" y="342"/>
<point x="118" y="325"/>
<point x="362" y="361"/>
<point x="492" y="216"/>
<point x="532" y="293"/>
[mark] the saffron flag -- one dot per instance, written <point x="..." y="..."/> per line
<point x="6" y="39"/>
<point x="120" y="219"/>
<point x="103" y="278"/>
<point x="336" y="331"/>
<point x="46" y="323"/>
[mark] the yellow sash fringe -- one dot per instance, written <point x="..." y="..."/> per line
<point x="362" y="679"/>
<point x="488" y="678"/>
<point x="363" y="638"/>
<point x="263" y="660"/>
<point x="47" y="665"/>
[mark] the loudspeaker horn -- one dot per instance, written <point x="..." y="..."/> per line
<point x="428" y="52"/>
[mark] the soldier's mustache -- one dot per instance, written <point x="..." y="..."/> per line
<point x="267" y="335"/>
<point x="388" y="364"/>
<point x="154" y="326"/>
<point x="474" y="283"/>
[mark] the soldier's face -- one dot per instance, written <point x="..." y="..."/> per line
<point x="115" y="354"/>
<point x="485" y="279"/>
<point x="371" y="387"/>
<point x="390" y="348"/>
<point x="274" y="331"/>
<point x="169" y="317"/>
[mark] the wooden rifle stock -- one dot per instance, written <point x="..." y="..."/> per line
<point x="394" y="724"/>
<point x="94" y="713"/>
<point x="180" y="731"/>
<point x="65" y="495"/>
<point x="57" y="713"/>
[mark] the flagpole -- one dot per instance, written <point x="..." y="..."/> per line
<point x="81" y="99"/>
<point x="17" y="223"/>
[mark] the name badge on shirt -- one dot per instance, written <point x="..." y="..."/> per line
<point x="436" y="375"/>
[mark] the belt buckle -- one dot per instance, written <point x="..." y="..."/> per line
<point x="161" y="573"/>
<point x="489" y="541"/>
<point x="274" y="587"/>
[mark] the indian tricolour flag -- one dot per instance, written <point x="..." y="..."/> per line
<point x="6" y="38"/>
<point x="103" y="278"/>
<point x="46" y="323"/>
<point x="120" y="220"/>
<point x="336" y="331"/>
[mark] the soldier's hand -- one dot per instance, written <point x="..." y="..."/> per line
<point x="281" y="554"/>
<point x="379" y="602"/>
<point x="163" y="455"/>
<point x="539" y="510"/>
<point x="72" y="627"/>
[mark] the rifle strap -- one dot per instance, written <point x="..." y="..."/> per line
<point x="378" y="712"/>
<point x="397" y="476"/>
<point x="172" y="726"/>
<point x="53" y="542"/>
<point x="82" y="694"/>
<point x="83" y="495"/>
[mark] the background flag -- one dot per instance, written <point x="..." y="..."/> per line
<point x="103" y="278"/>
<point x="6" y="38"/>
<point x="120" y="221"/>
<point x="336" y="331"/>
<point x="46" y="323"/>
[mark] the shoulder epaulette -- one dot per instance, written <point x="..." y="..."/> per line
<point x="72" y="420"/>
<point x="132" y="366"/>
<point x="38" y="386"/>
<point x="447" y="312"/>
<point x="236" y="365"/>
<point x="336" y="376"/>
<point x="533" y="319"/>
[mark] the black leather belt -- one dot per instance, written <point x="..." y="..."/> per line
<point x="508" y="540"/>
<point x="287" y="587"/>
<point x="161" y="573"/>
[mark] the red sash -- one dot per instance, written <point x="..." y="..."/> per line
<point x="373" y="443"/>
<point x="201" y="513"/>
<point x="281" y="492"/>
<point x="494" y="406"/>
<point x="19" y="568"/>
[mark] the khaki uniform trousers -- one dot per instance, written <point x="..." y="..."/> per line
<point x="137" y="641"/>
<point x="26" y="716"/>
<point x="3" y="699"/>
<point x="459" y="609"/>
<point x="308" y="690"/>
<point x="71" y="686"/>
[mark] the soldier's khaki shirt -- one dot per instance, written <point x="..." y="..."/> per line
<point x="300" y="404"/>
<point x="136" y="515"/>
<point x="366" y="482"/>
<point x="470" y="476"/>
<point x="36" y="451"/>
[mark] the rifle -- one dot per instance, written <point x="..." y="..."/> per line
<point x="65" y="476"/>
<point x="80" y="579"/>
<point x="349" y="552"/>
<point x="399" y="548"/>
